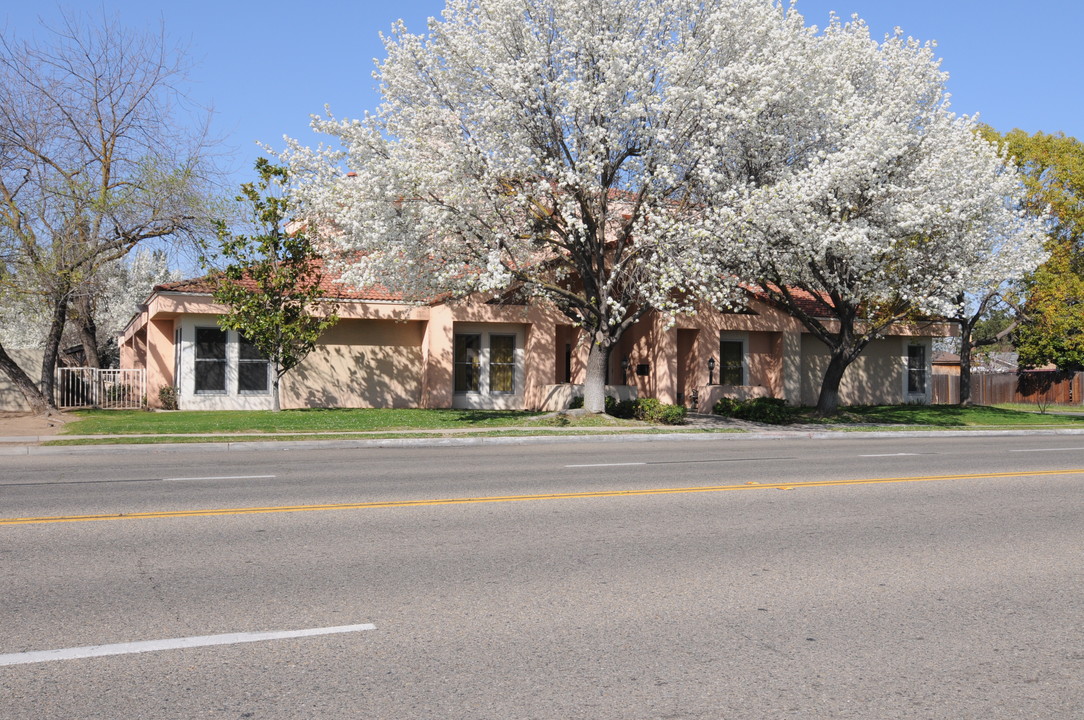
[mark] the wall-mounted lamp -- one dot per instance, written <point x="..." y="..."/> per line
<point x="625" y="370"/>
<point x="711" y="371"/>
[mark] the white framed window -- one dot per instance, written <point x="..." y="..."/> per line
<point x="211" y="360"/>
<point x="916" y="369"/>
<point x="225" y="363"/>
<point x="178" y="336"/>
<point x="502" y="364"/>
<point x="468" y="362"/>
<point x="733" y="368"/>
<point x="488" y="365"/>
<point x="253" y="369"/>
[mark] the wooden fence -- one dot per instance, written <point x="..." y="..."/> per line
<point x="1027" y="386"/>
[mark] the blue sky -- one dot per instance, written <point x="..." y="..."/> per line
<point x="266" y="66"/>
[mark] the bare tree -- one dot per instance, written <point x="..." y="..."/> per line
<point x="96" y="157"/>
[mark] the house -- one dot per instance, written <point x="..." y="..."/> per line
<point x="497" y="353"/>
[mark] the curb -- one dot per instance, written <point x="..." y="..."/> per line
<point x="27" y="449"/>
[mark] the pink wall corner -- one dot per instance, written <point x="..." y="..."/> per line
<point x="437" y="357"/>
<point x="666" y="361"/>
<point x="688" y="367"/>
<point x="539" y="361"/>
<point x="773" y="372"/>
<point x="761" y="359"/>
<point x="159" y="358"/>
<point x="133" y="351"/>
<point x="638" y="345"/>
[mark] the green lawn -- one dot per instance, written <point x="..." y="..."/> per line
<point x="1033" y="407"/>
<point x="233" y="425"/>
<point x="138" y="422"/>
<point x="950" y="416"/>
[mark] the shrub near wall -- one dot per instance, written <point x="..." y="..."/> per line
<point x="771" y="411"/>
<point x="648" y="410"/>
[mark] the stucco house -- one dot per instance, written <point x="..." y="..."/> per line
<point x="496" y="353"/>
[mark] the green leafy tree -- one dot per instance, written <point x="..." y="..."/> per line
<point x="1051" y="326"/>
<point x="271" y="282"/>
<point x="985" y="322"/>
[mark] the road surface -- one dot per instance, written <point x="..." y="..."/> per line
<point x="850" y="578"/>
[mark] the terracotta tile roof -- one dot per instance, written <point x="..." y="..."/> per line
<point x="330" y="285"/>
<point x="815" y="305"/>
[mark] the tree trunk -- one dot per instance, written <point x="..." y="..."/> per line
<point x="965" y="364"/>
<point x="21" y="380"/>
<point x="594" y="383"/>
<point x="88" y="332"/>
<point x="52" y="351"/>
<point x="276" y="376"/>
<point x="828" y="400"/>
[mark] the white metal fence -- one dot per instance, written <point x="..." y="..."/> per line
<point x="91" y="387"/>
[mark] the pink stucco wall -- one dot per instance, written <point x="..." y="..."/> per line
<point x="397" y="355"/>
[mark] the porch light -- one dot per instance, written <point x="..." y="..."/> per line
<point x="625" y="370"/>
<point x="711" y="371"/>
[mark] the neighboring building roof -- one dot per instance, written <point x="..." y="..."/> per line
<point x="994" y="362"/>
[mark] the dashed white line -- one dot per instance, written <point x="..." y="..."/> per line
<point x="172" y="644"/>
<point x="221" y="477"/>
<point x="894" y="455"/>
<point x="1044" y="450"/>
<point x="606" y="465"/>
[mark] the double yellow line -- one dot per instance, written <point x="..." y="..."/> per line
<point x="519" y="498"/>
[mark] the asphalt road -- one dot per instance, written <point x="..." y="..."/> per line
<point x="667" y="579"/>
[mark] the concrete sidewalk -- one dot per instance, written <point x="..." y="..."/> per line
<point x="699" y="428"/>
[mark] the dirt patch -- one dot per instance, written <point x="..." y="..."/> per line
<point x="14" y="424"/>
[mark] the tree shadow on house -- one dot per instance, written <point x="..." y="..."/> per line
<point x="356" y="376"/>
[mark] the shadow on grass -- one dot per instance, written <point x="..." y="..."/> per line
<point x="944" y="416"/>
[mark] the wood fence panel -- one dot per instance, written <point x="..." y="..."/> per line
<point x="1027" y="386"/>
<point x="946" y="389"/>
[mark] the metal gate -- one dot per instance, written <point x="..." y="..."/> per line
<point x="90" y="387"/>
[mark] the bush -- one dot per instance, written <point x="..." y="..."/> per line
<point x="648" y="410"/>
<point x="652" y="411"/>
<point x="626" y="409"/>
<point x="771" y="411"/>
<point x="672" y="415"/>
<point x="167" y="395"/>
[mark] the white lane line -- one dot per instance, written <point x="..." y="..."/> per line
<point x="607" y="465"/>
<point x="172" y="644"/>
<point x="1046" y="449"/>
<point x="895" y="455"/>
<point x="221" y="477"/>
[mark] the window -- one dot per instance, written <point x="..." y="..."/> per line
<point x="916" y="369"/>
<point x="177" y="337"/>
<point x="502" y="363"/>
<point x="468" y="351"/>
<point x="210" y="360"/>
<point x="486" y="365"/>
<point x="252" y="368"/>
<point x="731" y="362"/>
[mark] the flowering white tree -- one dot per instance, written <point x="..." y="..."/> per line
<point x="577" y="150"/>
<point x="114" y="296"/>
<point x="893" y="209"/>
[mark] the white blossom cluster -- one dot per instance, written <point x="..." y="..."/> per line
<point x="622" y="155"/>
<point x="119" y="289"/>
<point x="893" y="198"/>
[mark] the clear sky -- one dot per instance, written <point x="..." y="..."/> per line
<point x="266" y="66"/>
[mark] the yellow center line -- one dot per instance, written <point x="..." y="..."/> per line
<point x="518" y="498"/>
